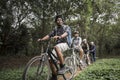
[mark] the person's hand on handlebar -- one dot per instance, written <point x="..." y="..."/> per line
<point x="39" y="40"/>
<point x="57" y="37"/>
<point x="47" y="37"/>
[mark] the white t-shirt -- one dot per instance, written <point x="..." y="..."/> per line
<point x="76" y="42"/>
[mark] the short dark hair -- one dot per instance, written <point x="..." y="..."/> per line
<point x="58" y="16"/>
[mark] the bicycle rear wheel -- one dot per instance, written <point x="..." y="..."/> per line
<point x="70" y="65"/>
<point x="37" y="69"/>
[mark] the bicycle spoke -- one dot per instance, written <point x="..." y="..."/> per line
<point x="70" y="65"/>
<point x="36" y="69"/>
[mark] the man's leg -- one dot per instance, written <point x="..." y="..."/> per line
<point x="53" y="69"/>
<point x="94" y="56"/>
<point x="81" y="53"/>
<point x="88" y="58"/>
<point x="60" y="56"/>
<point x="59" y="48"/>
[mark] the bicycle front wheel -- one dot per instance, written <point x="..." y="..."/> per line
<point x="37" y="69"/>
<point x="85" y="61"/>
<point x="78" y="63"/>
<point x="69" y="64"/>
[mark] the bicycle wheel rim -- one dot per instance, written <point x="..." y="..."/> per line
<point x="36" y="69"/>
<point x="85" y="61"/>
<point x="78" y="63"/>
<point x="69" y="74"/>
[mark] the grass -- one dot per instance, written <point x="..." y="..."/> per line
<point x="11" y="74"/>
<point x="103" y="69"/>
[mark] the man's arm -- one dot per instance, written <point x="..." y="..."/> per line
<point x="44" y="38"/>
<point x="94" y="47"/>
<point x="61" y="36"/>
<point x="64" y="35"/>
<point x="47" y="36"/>
<point x="67" y="29"/>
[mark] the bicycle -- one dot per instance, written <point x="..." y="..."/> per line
<point x="38" y="68"/>
<point x="77" y="64"/>
<point x="90" y="56"/>
<point x="85" y="59"/>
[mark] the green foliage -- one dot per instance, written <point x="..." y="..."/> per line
<point x="22" y="22"/>
<point x="104" y="69"/>
<point x="9" y="74"/>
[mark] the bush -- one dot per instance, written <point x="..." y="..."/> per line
<point x="105" y="69"/>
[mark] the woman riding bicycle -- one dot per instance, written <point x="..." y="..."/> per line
<point x="76" y="44"/>
<point x="60" y="34"/>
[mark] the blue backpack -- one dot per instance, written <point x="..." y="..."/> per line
<point x="69" y="39"/>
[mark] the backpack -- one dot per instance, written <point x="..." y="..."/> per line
<point x="69" y="39"/>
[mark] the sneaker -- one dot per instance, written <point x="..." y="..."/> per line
<point x="88" y="63"/>
<point x="63" y="70"/>
<point x="81" y="61"/>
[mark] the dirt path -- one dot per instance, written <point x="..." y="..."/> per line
<point x="76" y="74"/>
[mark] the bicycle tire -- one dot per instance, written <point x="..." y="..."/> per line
<point x="78" y="63"/>
<point x="91" y="60"/>
<point x="69" y="63"/>
<point x="74" y="63"/>
<point x="85" y="61"/>
<point x="37" y="69"/>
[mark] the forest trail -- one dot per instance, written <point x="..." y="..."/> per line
<point x="13" y="62"/>
<point x="76" y="74"/>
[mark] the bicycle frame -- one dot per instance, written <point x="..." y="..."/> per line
<point x="73" y="55"/>
<point x="54" y="59"/>
<point x="41" y="65"/>
<point x="76" y="58"/>
<point x="74" y="52"/>
<point x="52" y="56"/>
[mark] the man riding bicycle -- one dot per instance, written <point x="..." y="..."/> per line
<point x="60" y="34"/>
<point x="93" y="51"/>
<point x="85" y="47"/>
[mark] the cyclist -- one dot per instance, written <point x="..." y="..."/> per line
<point x="76" y="44"/>
<point x="85" y="47"/>
<point x="60" y="34"/>
<point x="93" y="51"/>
